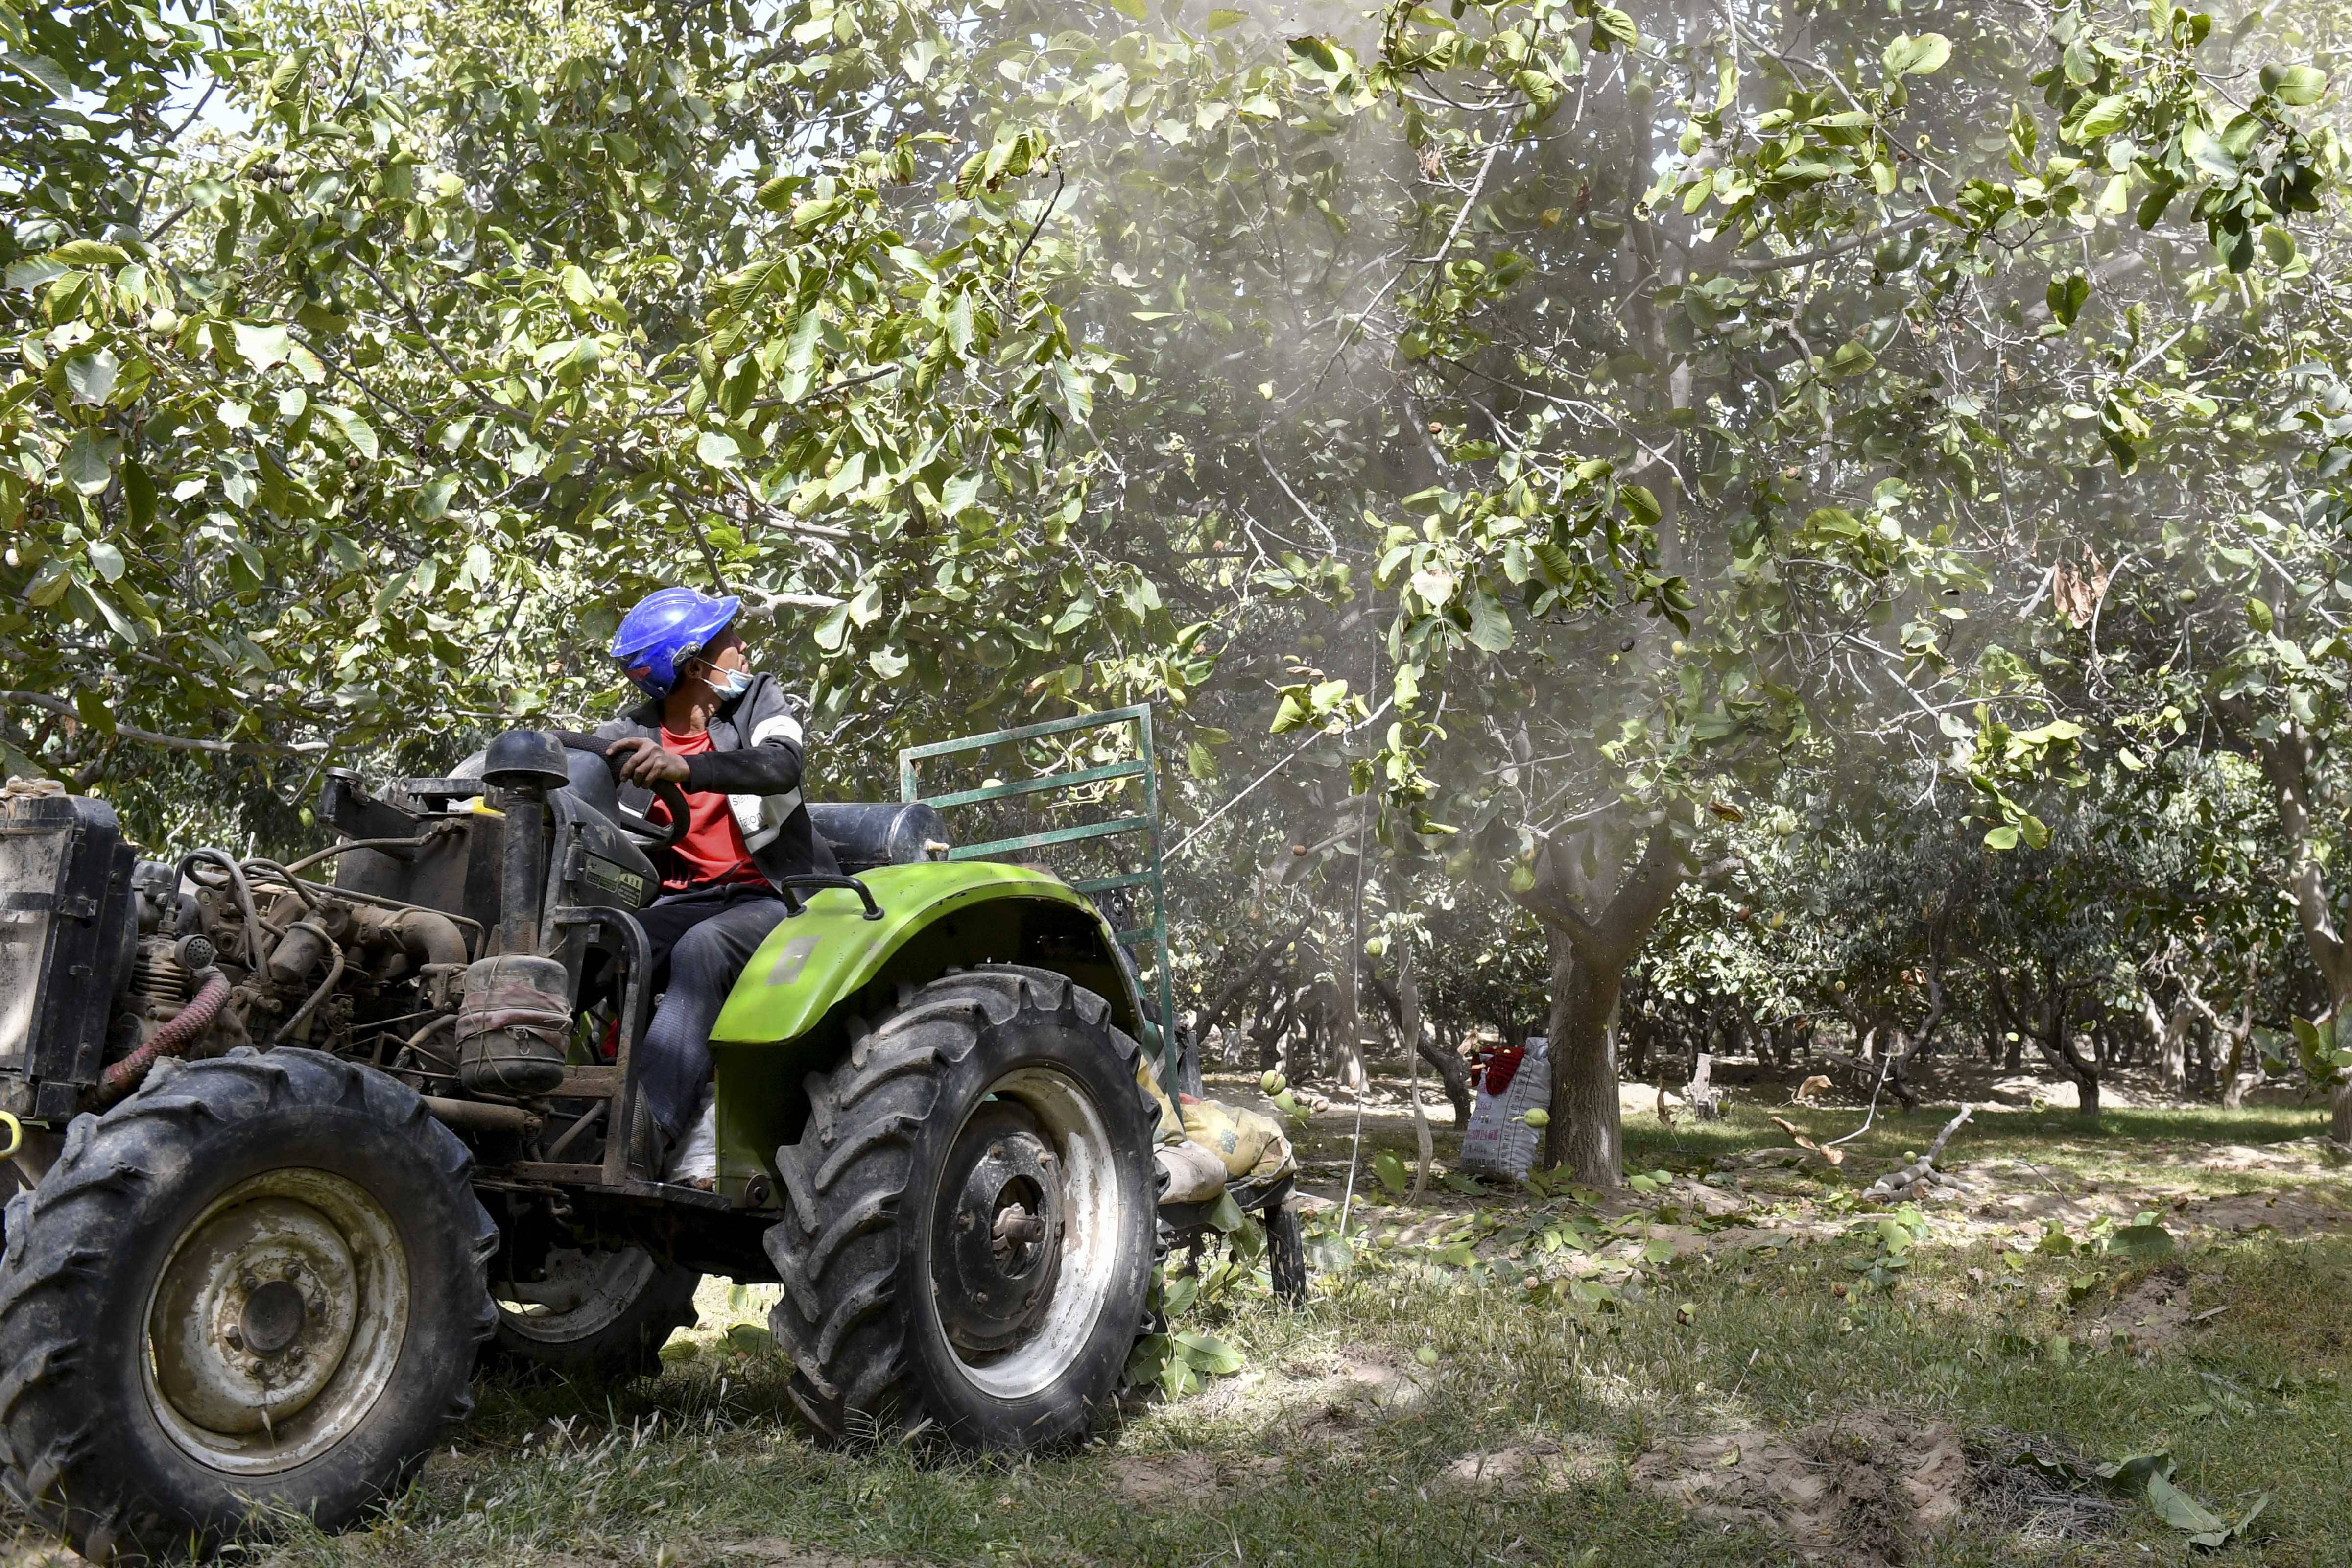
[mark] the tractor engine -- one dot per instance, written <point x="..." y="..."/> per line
<point x="110" y="964"/>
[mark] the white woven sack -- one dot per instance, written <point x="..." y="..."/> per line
<point x="1497" y="1142"/>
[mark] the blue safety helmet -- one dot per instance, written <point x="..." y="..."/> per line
<point x="666" y="628"/>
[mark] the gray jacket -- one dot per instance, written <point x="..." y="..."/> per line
<point x="756" y="762"/>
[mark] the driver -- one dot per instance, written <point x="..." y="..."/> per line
<point x="729" y="739"/>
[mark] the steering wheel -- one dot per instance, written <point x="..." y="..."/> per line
<point x="656" y="835"/>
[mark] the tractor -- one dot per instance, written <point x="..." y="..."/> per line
<point x="293" y="1150"/>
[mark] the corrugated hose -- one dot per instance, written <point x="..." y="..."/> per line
<point x="176" y="1034"/>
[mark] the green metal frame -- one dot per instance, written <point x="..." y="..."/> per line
<point x="1145" y="766"/>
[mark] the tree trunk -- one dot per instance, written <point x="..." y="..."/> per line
<point x="1409" y="1026"/>
<point x="1587" y="1133"/>
<point x="1238" y="990"/>
<point x="1637" y="1040"/>
<point x="1593" y="935"/>
<point x="1427" y="1046"/>
<point x="2286" y="762"/>
<point x="2171" y="1035"/>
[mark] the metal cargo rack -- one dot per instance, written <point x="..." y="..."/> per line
<point x="1110" y="834"/>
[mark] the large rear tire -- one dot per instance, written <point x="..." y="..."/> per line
<point x="972" y="1218"/>
<point x="255" y="1285"/>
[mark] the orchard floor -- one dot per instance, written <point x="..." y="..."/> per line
<point x="1742" y="1361"/>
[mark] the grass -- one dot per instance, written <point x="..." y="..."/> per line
<point x="669" y="1473"/>
<point x="704" y="1465"/>
<point x="2119" y="1143"/>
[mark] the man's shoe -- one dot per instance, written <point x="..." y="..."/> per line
<point x="649" y="1146"/>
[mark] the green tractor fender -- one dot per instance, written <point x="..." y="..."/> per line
<point x="788" y="1015"/>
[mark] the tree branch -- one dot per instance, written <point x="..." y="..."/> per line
<point x="154" y="738"/>
<point x="1827" y="252"/>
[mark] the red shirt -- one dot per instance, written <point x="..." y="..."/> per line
<point x="713" y="850"/>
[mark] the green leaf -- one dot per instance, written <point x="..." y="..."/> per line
<point x="432" y="496"/>
<point x="1316" y="51"/>
<point x="2002" y="837"/>
<point x="92" y="705"/>
<point x="2104" y="118"/>
<point x="355" y="430"/>
<point x="2297" y="85"/>
<point x="105" y="558"/>
<point x="1922" y="56"/>
<point x="89" y="252"/>
<point x="1851" y="359"/>
<point x="2207" y="154"/>
<point x="1209" y="1352"/>
<point x="1557" y="562"/>
<point x="1638" y="502"/>
<point x="808" y="214"/>
<point x="1490" y="624"/>
<point x="139" y="490"/>
<point x="2065" y="296"/>
<point x="749" y="1338"/>
<point x="1611" y="25"/>
<point x="1177" y="1378"/>
<point x="2056" y="732"/>
<point x="261" y="346"/>
<point x="33" y="274"/>
<point x="1392" y="1174"/>
<point x="832" y="632"/>
<point x="92" y="376"/>
<point x="2181" y="1510"/>
<point x="2259" y="616"/>
<point x="717" y="448"/>
<point x="88" y="464"/>
<point x="2143" y="1241"/>
<point x="1220" y="20"/>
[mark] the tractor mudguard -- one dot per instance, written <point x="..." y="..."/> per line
<point x="788" y="1013"/>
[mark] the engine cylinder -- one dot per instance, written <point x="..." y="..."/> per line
<point x="160" y="982"/>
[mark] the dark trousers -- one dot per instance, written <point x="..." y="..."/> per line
<point x="700" y="938"/>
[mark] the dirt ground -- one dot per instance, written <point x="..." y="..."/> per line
<point x="1743" y="1356"/>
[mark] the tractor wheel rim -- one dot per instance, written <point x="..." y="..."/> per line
<point x="578" y="1295"/>
<point x="1025" y="1232"/>
<point x="275" y="1324"/>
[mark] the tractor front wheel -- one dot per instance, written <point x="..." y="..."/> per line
<point x="254" y="1286"/>
<point x="970" y="1229"/>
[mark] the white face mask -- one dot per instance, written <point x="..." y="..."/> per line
<point x="727" y="684"/>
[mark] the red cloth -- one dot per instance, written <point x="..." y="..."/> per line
<point x="713" y="850"/>
<point x="1502" y="1066"/>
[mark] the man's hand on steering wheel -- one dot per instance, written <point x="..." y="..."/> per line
<point x="643" y="763"/>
